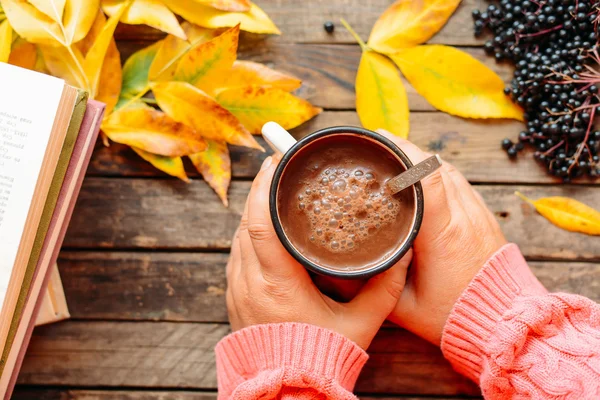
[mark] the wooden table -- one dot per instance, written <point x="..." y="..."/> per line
<point x="143" y="263"/>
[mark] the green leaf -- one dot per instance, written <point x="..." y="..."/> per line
<point x="135" y="73"/>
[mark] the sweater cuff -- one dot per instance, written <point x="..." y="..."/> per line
<point x="504" y="277"/>
<point x="289" y="353"/>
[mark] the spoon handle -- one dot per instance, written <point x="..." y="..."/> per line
<point x="414" y="174"/>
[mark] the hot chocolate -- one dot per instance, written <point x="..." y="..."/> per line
<point x="334" y="205"/>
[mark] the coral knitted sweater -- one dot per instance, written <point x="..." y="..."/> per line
<point x="505" y="332"/>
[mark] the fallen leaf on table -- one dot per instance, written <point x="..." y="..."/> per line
<point x="52" y="8"/>
<point x="152" y="131"/>
<point x="381" y="100"/>
<point x="209" y="60"/>
<point x="153" y="13"/>
<point x="409" y="23"/>
<point x="79" y="15"/>
<point x="566" y="213"/>
<point x="109" y="86"/>
<point x="135" y="72"/>
<point x="254" y="106"/>
<point x="227" y="5"/>
<point x="31" y="24"/>
<point x="60" y="63"/>
<point x="172" y="49"/>
<point x="94" y="59"/>
<point x="455" y="82"/>
<point x="254" y="20"/>
<point x="215" y="166"/>
<point x="111" y="77"/>
<point x="58" y="22"/>
<point x="5" y="40"/>
<point x="23" y="54"/>
<point x="170" y="165"/>
<point x="191" y="106"/>
<point x="248" y="73"/>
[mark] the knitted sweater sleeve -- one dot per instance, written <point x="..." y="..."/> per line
<point x="517" y="341"/>
<point x="287" y="361"/>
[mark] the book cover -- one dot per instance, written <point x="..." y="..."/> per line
<point x="77" y="113"/>
<point x="56" y="233"/>
<point x="35" y="111"/>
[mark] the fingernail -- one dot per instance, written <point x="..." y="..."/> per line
<point x="267" y="163"/>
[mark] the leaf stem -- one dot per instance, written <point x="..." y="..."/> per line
<point x="80" y="68"/>
<point x="149" y="101"/>
<point x="362" y="44"/>
<point x="523" y="197"/>
<point x="134" y="99"/>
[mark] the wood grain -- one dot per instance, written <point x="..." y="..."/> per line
<point x="464" y="143"/>
<point x="168" y="214"/>
<point x="190" y="287"/>
<point x="328" y="72"/>
<point x="28" y="393"/>
<point x="302" y="22"/>
<point x="180" y="355"/>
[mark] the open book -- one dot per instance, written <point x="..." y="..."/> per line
<point x="47" y="134"/>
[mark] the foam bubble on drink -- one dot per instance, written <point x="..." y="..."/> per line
<point x="346" y="207"/>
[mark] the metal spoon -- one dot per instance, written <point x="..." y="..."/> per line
<point x="414" y="174"/>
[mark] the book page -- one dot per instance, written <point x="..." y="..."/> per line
<point x="28" y="105"/>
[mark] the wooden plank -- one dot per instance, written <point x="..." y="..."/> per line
<point x="302" y="22"/>
<point x="190" y="287"/>
<point x="327" y="71"/>
<point x="180" y="355"/>
<point x="168" y="214"/>
<point x="145" y="286"/>
<point x="28" y="393"/>
<point x="464" y="143"/>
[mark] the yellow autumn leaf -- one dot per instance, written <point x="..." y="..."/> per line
<point x="85" y="44"/>
<point x="254" y="106"/>
<point x="152" y="131"/>
<point x="254" y="20"/>
<point x="191" y="106"/>
<point x="31" y="24"/>
<point x="209" y="60"/>
<point x="249" y="73"/>
<point x="214" y="165"/>
<point x="170" y="165"/>
<point x="94" y="59"/>
<point x="172" y="49"/>
<point x="52" y="8"/>
<point x="227" y="5"/>
<point x="78" y="18"/>
<point x="111" y="76"/>
<point x="64" y="64"/>
<point x="381" y="100"/>
<point x="566" y="213"/>
<point x="153" y="13"/>
<point x="409" y="23"/>
<point x="111" y="73"/>
<point x="5" y="40"/>
<point x="455" y="82"/>
<point x="23" y="54"/>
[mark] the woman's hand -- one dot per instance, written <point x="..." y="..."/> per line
<point x="267" y="285"/>
<point x="458" y="235"/>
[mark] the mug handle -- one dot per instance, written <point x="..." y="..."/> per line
<point x="277" y="138"/>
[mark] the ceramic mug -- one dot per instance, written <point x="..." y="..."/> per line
<point x="281" y="141"/>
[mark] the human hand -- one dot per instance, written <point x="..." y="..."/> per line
<point x="457" y="236"/>
<point x="267" y="285"/>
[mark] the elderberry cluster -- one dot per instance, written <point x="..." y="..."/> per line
<point x="554" y="46"/>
